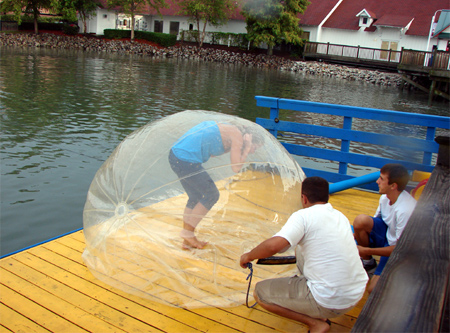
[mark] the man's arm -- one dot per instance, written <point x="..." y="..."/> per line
<point x="266" y="249"/>
<point x="376" y="251"/>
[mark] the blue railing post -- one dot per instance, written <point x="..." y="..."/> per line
<point x="274" y="115"/>
<point x="431" y="132"/>
<point x="345" y="145"/>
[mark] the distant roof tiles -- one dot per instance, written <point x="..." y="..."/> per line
<point x="389" y="20"/>
<point x="395" y="13"/>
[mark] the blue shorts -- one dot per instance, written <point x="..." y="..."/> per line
<point x="377" y="238"/>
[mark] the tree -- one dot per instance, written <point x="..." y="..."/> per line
<point x="18" y="7"/>
<point x="274" y="21"/>
<point x="133" y="7"/>
<point x="84" y="8"/>
<point x="214" y="12"/>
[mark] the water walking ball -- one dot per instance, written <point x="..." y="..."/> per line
<point x="136" y="207"/>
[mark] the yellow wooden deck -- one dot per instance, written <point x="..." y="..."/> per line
<point x="49" y="288"/>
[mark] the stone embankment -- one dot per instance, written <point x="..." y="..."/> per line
<point x="48" y="40"/>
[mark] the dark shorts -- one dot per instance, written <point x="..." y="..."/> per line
<point x="377" y="238"/>
<point x="197" y="183"/>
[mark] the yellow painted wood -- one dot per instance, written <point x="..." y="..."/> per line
<point x="34" y="311"/>
<point x="16" y="322"/>
<point x="113" y="297"/>
<point x="59" y="284"/>
<point x="49" y="288"/>
<point x="217" y="316"/>
<point x="60" y="307"/>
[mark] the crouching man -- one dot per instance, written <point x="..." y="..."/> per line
<point x="331" y="277"/>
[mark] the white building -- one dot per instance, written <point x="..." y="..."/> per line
<point x="380" y="24"/>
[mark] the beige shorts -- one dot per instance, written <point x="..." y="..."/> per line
<point x="294" y="294"/>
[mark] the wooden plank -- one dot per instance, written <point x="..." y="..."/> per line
<point x="62" y="273"/>
<point x="34" y="311"/>
<point x="215" y="314"/>
<point x="342" y="322"/>
<point x="78" y="293"/>
<point x="140" y="308"/>
<point x="16" y="322"/>
<point x="53" y="302"/>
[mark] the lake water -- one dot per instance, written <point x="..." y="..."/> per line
<point x="63" y="113"/>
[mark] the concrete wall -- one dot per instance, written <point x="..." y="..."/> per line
<point x="103" y="19"/>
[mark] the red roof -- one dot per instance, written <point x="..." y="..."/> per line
<point x="396" y="12"/>
<point x="172" y="10"/>
<point x="316" y="12"/>
<point x="393" y="21"/>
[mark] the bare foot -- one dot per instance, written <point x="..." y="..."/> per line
<point x="193" y="243"/>
<point x="321" y="326"/>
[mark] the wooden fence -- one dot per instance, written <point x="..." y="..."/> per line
<point x="435" y="59"/>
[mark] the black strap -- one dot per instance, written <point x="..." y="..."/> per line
<point x="250" y="275"/>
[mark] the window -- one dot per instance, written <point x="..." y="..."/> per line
<point x="174" y="28"/>
<point x="158" y="26"/>
<point x="125" y="22"/>
<point x="364" y="20"/>
<point x="305" y="35"/>
<point x="191" y="27"/>
<point x="387" y="45"/>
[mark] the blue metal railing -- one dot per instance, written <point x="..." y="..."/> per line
<point x="425" y="146"/>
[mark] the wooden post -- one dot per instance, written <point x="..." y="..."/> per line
<point x="431" y="92"/>
<point x="411" y="293"/>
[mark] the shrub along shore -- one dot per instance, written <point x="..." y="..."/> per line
<point x="214" y="54"/>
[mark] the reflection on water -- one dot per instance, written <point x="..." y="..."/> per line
<point x="63" y="112"/>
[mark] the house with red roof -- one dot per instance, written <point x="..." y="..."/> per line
<point x="381" y="24"/>
<point x="384" y="24"/>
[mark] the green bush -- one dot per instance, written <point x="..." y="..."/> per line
<point x="159" y="38"/>
<point x="70" y="29"/>
<point x="165" y="40"/>
<point x="116" y="33"/>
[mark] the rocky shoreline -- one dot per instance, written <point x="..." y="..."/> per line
<point x="49" y="40"/>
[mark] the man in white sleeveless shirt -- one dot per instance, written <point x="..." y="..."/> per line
<point x="331" y="277"/>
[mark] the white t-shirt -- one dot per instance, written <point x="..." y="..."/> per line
<point x="332" y="266"/>
<point x="397" y="215"/>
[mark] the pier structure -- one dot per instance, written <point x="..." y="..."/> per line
<point x="426" y="71"/>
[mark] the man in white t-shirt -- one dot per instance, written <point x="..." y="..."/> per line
<point x="378" y="235"/>
<point x="331" y="278"/>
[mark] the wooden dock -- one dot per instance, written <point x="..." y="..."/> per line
<point x="426" y="71"/>
<point x="48" y="288"/>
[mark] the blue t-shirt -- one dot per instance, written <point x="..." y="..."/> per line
<point x="199" y="143"/>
